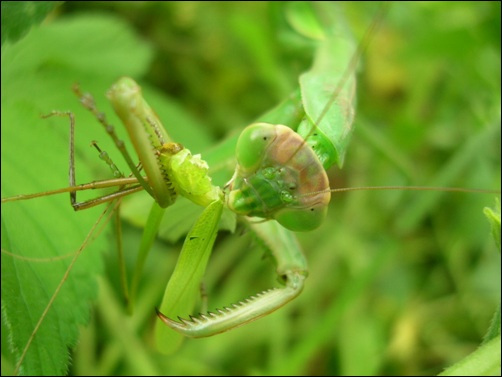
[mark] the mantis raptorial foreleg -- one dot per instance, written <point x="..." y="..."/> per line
<point x="291" y="268"/>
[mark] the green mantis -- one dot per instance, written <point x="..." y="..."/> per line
<point x="62" y="168"/>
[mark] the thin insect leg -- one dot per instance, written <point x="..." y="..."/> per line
<point x="71" y="170"/>
<point x="107" y="159"/>
<point x="123" y="191"/>
<point x="84" y="186"/>
<point x="88" y="101"/>
<point x="103" y="199"/>
<point x="77" y="206"/>
<point x="120" y="254"/>
<point x="118" y="224"/>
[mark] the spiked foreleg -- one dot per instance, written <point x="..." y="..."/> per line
<point x="292" y="271"/>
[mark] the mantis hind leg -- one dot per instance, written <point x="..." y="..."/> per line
<point x="123" y="191"/>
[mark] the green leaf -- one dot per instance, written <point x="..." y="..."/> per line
<point x="40" y="236"/>
<point x="19" y="16"/>
<point x="301" y="17"/>
<point x="494" y="329"/>
<point x="493" y="216"/>
<point x="485" y="361"/>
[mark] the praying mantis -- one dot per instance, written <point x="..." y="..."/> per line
<point x="93" y="215"/>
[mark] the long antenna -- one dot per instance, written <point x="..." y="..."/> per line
<point x="405" y="188"/>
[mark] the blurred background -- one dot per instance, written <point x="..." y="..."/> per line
<point x="400" y="283"/>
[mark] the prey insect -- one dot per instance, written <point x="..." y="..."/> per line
<point x="238" y="199"/>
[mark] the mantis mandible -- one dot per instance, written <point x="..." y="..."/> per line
<point x="236" y="321"/>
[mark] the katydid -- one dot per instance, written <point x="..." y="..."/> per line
<point x="212" y="194"/>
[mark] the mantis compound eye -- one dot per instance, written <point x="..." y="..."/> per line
<point x="279" y="177"/>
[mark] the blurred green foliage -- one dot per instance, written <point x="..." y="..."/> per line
<point x="18" y="18"/>
<point x="400" y="282"/>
